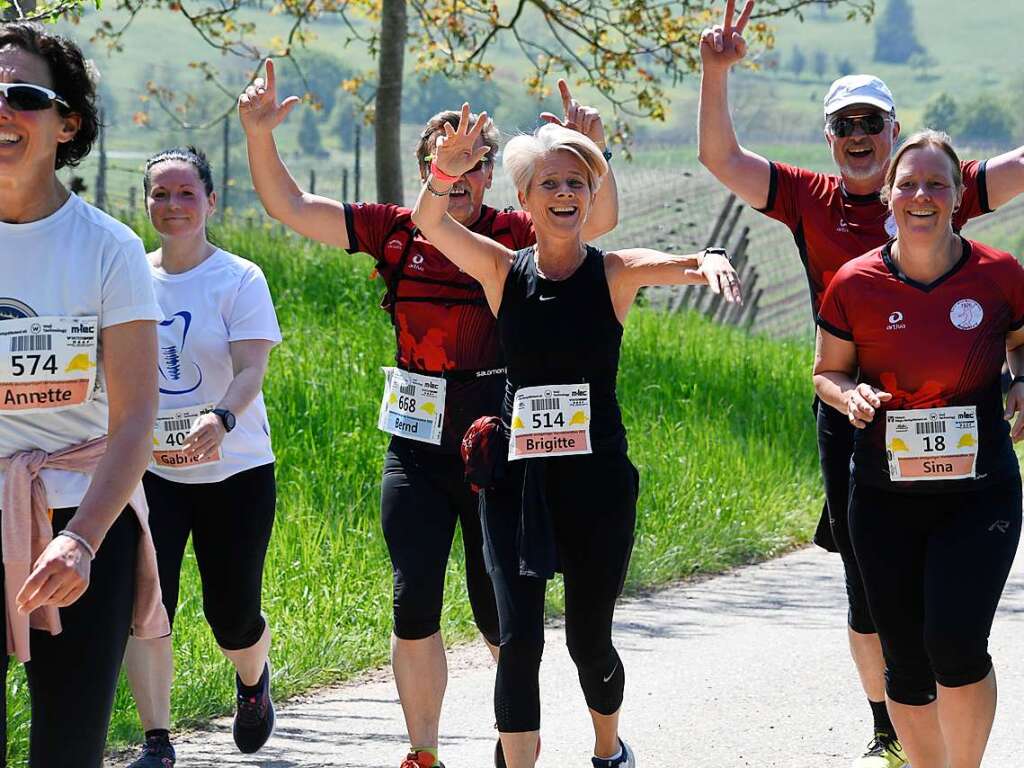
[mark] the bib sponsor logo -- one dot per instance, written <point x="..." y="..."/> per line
<point x="966" y="314"/>
<point x="896" y="322"/>
<point x="12" y="309"/>
<point x="890" y="226"/>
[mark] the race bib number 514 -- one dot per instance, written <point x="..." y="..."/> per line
<point x="932" y="443"/>
<point x="550" y="421"/>
<point x="47" y="363"/>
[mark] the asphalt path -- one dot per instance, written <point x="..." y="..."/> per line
<point x="749" y="668"/>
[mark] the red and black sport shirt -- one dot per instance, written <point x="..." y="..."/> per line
<point x="442" y="322"/>
<point x="831" y="226"/>
<point x="930" y="346"/>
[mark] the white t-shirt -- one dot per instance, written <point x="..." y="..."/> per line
<point x="224" y="299"/>
<point x="77" y="262"/>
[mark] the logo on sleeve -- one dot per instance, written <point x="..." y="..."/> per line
<point x="896" y="322"/>
<point x="417" y="261"/>
<point x="966" y="314"/>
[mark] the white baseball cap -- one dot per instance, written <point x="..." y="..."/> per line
<point x="858" y="89"/>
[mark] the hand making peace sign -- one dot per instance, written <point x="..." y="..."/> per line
<point x="585" y="120"/>
<point x="258" y="108"/>
<point x="723" y="45"/>
<point x="455" y="153"/>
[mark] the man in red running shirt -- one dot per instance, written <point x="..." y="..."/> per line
<point x="834" y="218"/>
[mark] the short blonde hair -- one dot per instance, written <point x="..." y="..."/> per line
<point x="920" y="140"/>
<point x="522" y="153"/>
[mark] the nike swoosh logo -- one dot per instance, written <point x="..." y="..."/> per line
<point x="547" y="298"/>
<point x="610" y="674"/>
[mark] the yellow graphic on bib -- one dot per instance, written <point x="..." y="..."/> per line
<point x="429" y="408"/>
<point x="393" y="399"/>
<point x="898" y="445"/>
<point x="578" y="418"/>
<point x="967" y="441"/>
<point x="156" y="443"/>
<point x="517" y="423"/>
<point x="79" y="362"/>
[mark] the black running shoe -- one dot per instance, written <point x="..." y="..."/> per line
<point x="157" y="752"/>
<point x="254" y="719"/>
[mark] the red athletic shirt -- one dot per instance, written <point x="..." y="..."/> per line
<point x="930" y="346"/>
<point x="831" y="226"/>
<point x="441" y="318"/>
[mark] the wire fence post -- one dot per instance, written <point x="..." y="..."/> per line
<point x="357" y="147"/>
<point x="344" y="185"/>
<point x="226" y="170"/>
<point x="101" y="173"/>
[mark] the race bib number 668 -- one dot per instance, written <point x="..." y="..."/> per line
<point x="47" y="363"/>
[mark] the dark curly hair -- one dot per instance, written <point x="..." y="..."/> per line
<point x="71" y="81"/>
<point x="194" y="157"/>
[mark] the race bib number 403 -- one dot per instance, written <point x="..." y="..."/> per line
<point x="932" y="443"/>
<point x="550" y="421"/>
<point x="412" y="405"/>
<point x="47" y="363"/>
<point x="172" y="429"/>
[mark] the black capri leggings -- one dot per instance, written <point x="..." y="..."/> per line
<point x="230" y="522"/>
<point x="934" y="566"/>
<point x="592" y="500"/>
<point x="835" y="447"/>
<point x="423" y="495"/>
<point x="72" y="676"/>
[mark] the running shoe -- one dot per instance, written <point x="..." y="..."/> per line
<point x="625" y="760"/>
<point x="254" y="718"/>
<point x="157" y="752"/>
<point x="420" y="760"/>
<point x="884" y="751"/>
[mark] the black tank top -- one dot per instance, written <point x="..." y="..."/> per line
<point x="563" y="332"/>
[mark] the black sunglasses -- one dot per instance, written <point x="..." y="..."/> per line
<point x="843" y="127"/>
<point x="25" y="97"/>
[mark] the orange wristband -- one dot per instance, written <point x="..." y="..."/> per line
<point x="440" y="175"/>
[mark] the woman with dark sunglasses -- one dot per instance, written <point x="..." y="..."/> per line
<point x="78" y="397"/>
<point x="448" y="359"/>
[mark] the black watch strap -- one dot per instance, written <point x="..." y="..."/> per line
<point x="1017" y="380"/>
<point x="227" y="418"/>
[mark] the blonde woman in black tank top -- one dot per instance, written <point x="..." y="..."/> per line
<point x="567" y="501"/>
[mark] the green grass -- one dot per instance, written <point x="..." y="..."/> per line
<point x="719" y="427"/>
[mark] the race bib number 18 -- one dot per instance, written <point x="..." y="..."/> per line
<point x="932" y="443"/>
<point x="47" y="363"/>
<point x="550" y="421"/>
<point x="172" y="429"/>
<point x="412" y="405"/>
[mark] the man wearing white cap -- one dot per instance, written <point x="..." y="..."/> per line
<point x="834" y="218"/>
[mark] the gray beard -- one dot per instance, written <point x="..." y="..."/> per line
<point x="861" y="175"/>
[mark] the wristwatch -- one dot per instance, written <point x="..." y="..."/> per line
<point x="716" y="251"/>
<point x="227" y="418"/>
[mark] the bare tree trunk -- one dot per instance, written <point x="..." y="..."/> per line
<point x="394" y="28"/>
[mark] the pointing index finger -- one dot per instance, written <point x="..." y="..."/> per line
<point x="271" y="79"/>
<point x="563" y="89"/>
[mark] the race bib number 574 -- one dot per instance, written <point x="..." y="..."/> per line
<point x="932" y="443"/>
<point x="47" y="363"/>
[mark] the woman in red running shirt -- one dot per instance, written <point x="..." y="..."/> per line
<point x="913" y="339"/>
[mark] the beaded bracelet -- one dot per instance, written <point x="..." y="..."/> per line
<point x="434" y="192"/>
<point x="80" y="540"/>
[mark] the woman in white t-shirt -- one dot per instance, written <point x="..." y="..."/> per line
<point x="78" y="394"/>
<point x="212" y="470"/>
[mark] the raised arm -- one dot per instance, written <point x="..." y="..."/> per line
<point x="1004" y="177"/>
<point x="744" y="172"/>
<point x="313" y="216"/>
<point x="835" y="365"/>
<point x="604" y="215"/>
<point x="483" y="259"/>
<point x="631" y="269"/>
